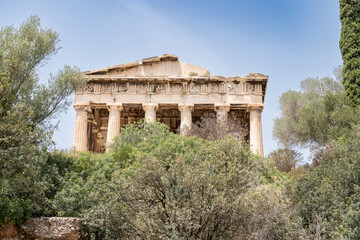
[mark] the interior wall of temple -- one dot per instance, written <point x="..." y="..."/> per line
<point x="170" y="117"/>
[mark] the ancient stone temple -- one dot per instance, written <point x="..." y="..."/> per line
<point x="167" y="90"/>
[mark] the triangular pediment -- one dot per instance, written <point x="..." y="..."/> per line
<point x="167" y="65"/>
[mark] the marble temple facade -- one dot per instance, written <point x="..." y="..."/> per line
<point x="167" y="90"/>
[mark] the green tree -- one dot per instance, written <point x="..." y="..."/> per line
<point x="314" y="116"/>
<point x="23" y="51"/>
<point x="350" y="48"/>
<point x="327" y="197"/>
<point x="28" y="174"/>
<point x="186" y="198"/>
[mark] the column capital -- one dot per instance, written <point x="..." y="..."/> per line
<point x="112" y="107"/>
<point x="222" y="107"/>
<point x="81" y="106"/>
<point x="150" y="106"/>
<point x="259" y="106"/>
<point x="186" y="107"/>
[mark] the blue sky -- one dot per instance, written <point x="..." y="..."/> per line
<point x="288" y="40"/>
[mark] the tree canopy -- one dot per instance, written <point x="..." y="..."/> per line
<point x="23" y="51"/>
<point x="325" y="195"/>
<point x="350" y="48"/>
<point x="27" y="108"/>
<point x="160" y="185"/>
<point x="315" y="115"/>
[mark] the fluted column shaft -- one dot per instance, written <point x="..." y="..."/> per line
<point x="256" y="139"/>
<point x="222" y="112"/>
<point x="114" y="122"/>
<point x="186" y="117"/>
<point x="150" y="112"/>
<point x="80" y="132"/>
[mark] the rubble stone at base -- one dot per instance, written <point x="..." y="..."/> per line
<point x="54" y="228"/>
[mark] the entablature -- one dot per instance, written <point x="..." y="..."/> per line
<point x="152" y="86"/>
<point x="165" y="77"/>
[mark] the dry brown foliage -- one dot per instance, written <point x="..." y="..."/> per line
<point x="211" y="128"/>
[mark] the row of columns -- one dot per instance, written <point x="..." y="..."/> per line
<point x="81" y="138"/>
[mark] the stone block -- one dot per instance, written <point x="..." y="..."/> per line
<point x="54" y="228"/>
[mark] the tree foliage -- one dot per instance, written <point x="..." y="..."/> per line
<point x="350" y="48"/>
<point x="314" y="116"/>
<point x="160" y="185"/>
<point x="23" y="51"/>
<point x="327" y="197"/>
<point x="28" y="174"/>
<point x="194" y="197"/>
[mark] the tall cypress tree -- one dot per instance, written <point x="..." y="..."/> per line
<point x="350" y="47"/>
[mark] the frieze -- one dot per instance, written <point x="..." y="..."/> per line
<point x="97" y="87"/>
<point x="195" y="88"/>
<point x="88" y="88"/>
<point x="185" y="88"/>
<point x="156" y="88"/>
<point x="168" y="88"/>
<point x="141" y="88"/>
<point x="231" y="88"/>
<point x="132" y="88"/>
<point x="222" y="89"/>
<point x="106" y="87"/>
<point x="213" y="88"/>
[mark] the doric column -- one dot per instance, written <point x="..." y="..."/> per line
<point x="186" y="118"/>
<point x="150" y="111"/>
<point x="114" y="122"/>
<point x="81" y="124"/>
<point x="256" y="139"/>
<point x="222" y="112"/>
